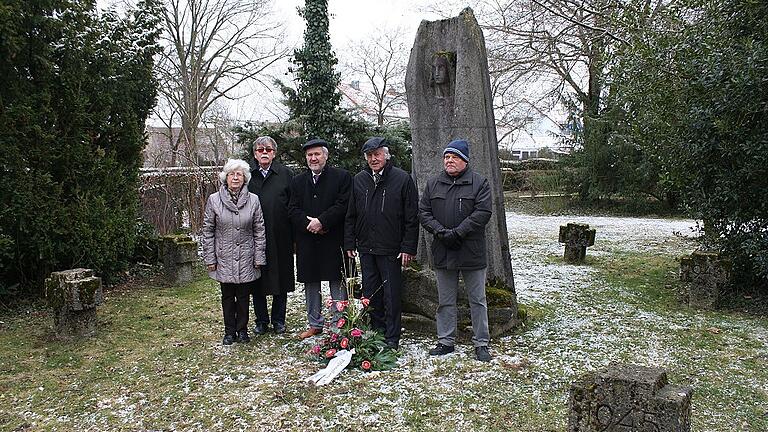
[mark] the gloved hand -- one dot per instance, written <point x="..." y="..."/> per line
<point x="449" y="238"/>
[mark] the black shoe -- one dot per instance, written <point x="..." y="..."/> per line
<point x="482" y="354"/>
<point x="394" y="346"/>
<point x="441" y="349"/>
<point x="279" y="328"/>
<point x="260" y="328"/>
<point x="243" y="337"/>
<point x="228" y="340"/>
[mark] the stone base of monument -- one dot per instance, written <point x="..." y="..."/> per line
<point x="420" y="304"/>
<point x="179" y="254"/>
<point x="628" y="398"/>
<point x="705" y="276"/>
<point x="73" y="296"/>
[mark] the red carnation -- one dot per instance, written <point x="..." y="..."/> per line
<point x="365" y="301"/>
<point x="344" y="343"/>
<point x="330" y="353"/>
<point x="366" y="365"/>
<point x="341" y="323"/>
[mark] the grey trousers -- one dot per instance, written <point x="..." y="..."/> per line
<point x="315" y="301"/>
<point x="447" y="292"/>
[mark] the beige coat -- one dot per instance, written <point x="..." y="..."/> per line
<point x="233" y="237"/>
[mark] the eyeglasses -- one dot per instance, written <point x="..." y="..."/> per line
<point x="264" y="150"/>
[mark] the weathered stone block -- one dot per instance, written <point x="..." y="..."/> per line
<point x="179" y="255"/>
<point x="73" y="296"/>
<point x="705" y="276"/>
<point x="420" y="302"/>
<point x="624" y="398"/>
<point x="577" y="237"/>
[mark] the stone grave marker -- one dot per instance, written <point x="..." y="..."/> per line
<point x="73" y="296"/>
<point x="179" y="255"/>
<point x="705" y="275"/>
<point x="577" y="237"/>
<point x="628" y="398"/>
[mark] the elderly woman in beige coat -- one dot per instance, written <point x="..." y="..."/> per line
<point x="234" y="246"/>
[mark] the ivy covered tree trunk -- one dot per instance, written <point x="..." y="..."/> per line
<point x="318" y="96"/>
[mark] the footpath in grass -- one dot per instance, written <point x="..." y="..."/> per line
<point x="158" y="364"/>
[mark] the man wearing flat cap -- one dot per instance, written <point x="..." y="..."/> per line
<point x="319" y="200"/>
<point x="382" y="226"/>
<point x="455" y="208"/>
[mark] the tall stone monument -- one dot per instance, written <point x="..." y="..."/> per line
<point x="449" y="97"/>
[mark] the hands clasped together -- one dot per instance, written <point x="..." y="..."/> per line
<point x="450" y="238"/>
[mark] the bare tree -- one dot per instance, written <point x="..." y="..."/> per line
<point x="219" y="139"/>
<point x="381" y="61"/>
<point x="544" y="53"/>
<point x="210" y="48"/>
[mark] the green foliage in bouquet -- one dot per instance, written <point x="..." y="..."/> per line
<point x="350" y="330"/>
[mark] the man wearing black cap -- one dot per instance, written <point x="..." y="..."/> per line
<point x="382" y="225"/>
<point x="455" y="208"/>
<point x="319" y="199"/>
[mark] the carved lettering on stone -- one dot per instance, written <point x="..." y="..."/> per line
<point x="629" y="398"/>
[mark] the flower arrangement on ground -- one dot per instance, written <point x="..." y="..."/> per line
<point x="350" y="329"/>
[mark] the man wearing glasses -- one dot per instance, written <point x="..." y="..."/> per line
<point x="271" y="181"/>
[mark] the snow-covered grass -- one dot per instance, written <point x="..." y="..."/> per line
<point x="158" y="364"/>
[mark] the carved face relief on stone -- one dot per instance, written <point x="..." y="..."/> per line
<point x="442" y="71"/>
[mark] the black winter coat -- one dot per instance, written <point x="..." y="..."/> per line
<point x="462" y="203"/>
<point x="274" y="192"/>
<point x="382" y="219"/>
<point x="319" y="257"/>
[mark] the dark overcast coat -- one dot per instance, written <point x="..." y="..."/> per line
<point x="274" y="193"/>
<point x="464" y="204"/>
<point x="382" y="219"/>
<point x="319" y="257"/>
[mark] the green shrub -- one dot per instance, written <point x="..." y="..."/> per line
<point x="77" y="89"/>
<point x="146" y="248"/>
<point x="696" y="89"/>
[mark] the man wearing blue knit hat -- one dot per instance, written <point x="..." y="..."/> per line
<point x="455" y="208"/>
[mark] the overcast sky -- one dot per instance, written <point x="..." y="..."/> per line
<point x="356" y="19"/>
<point x="350" y="21"/>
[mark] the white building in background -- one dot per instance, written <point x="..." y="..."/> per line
<point x="543" y="136"/>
